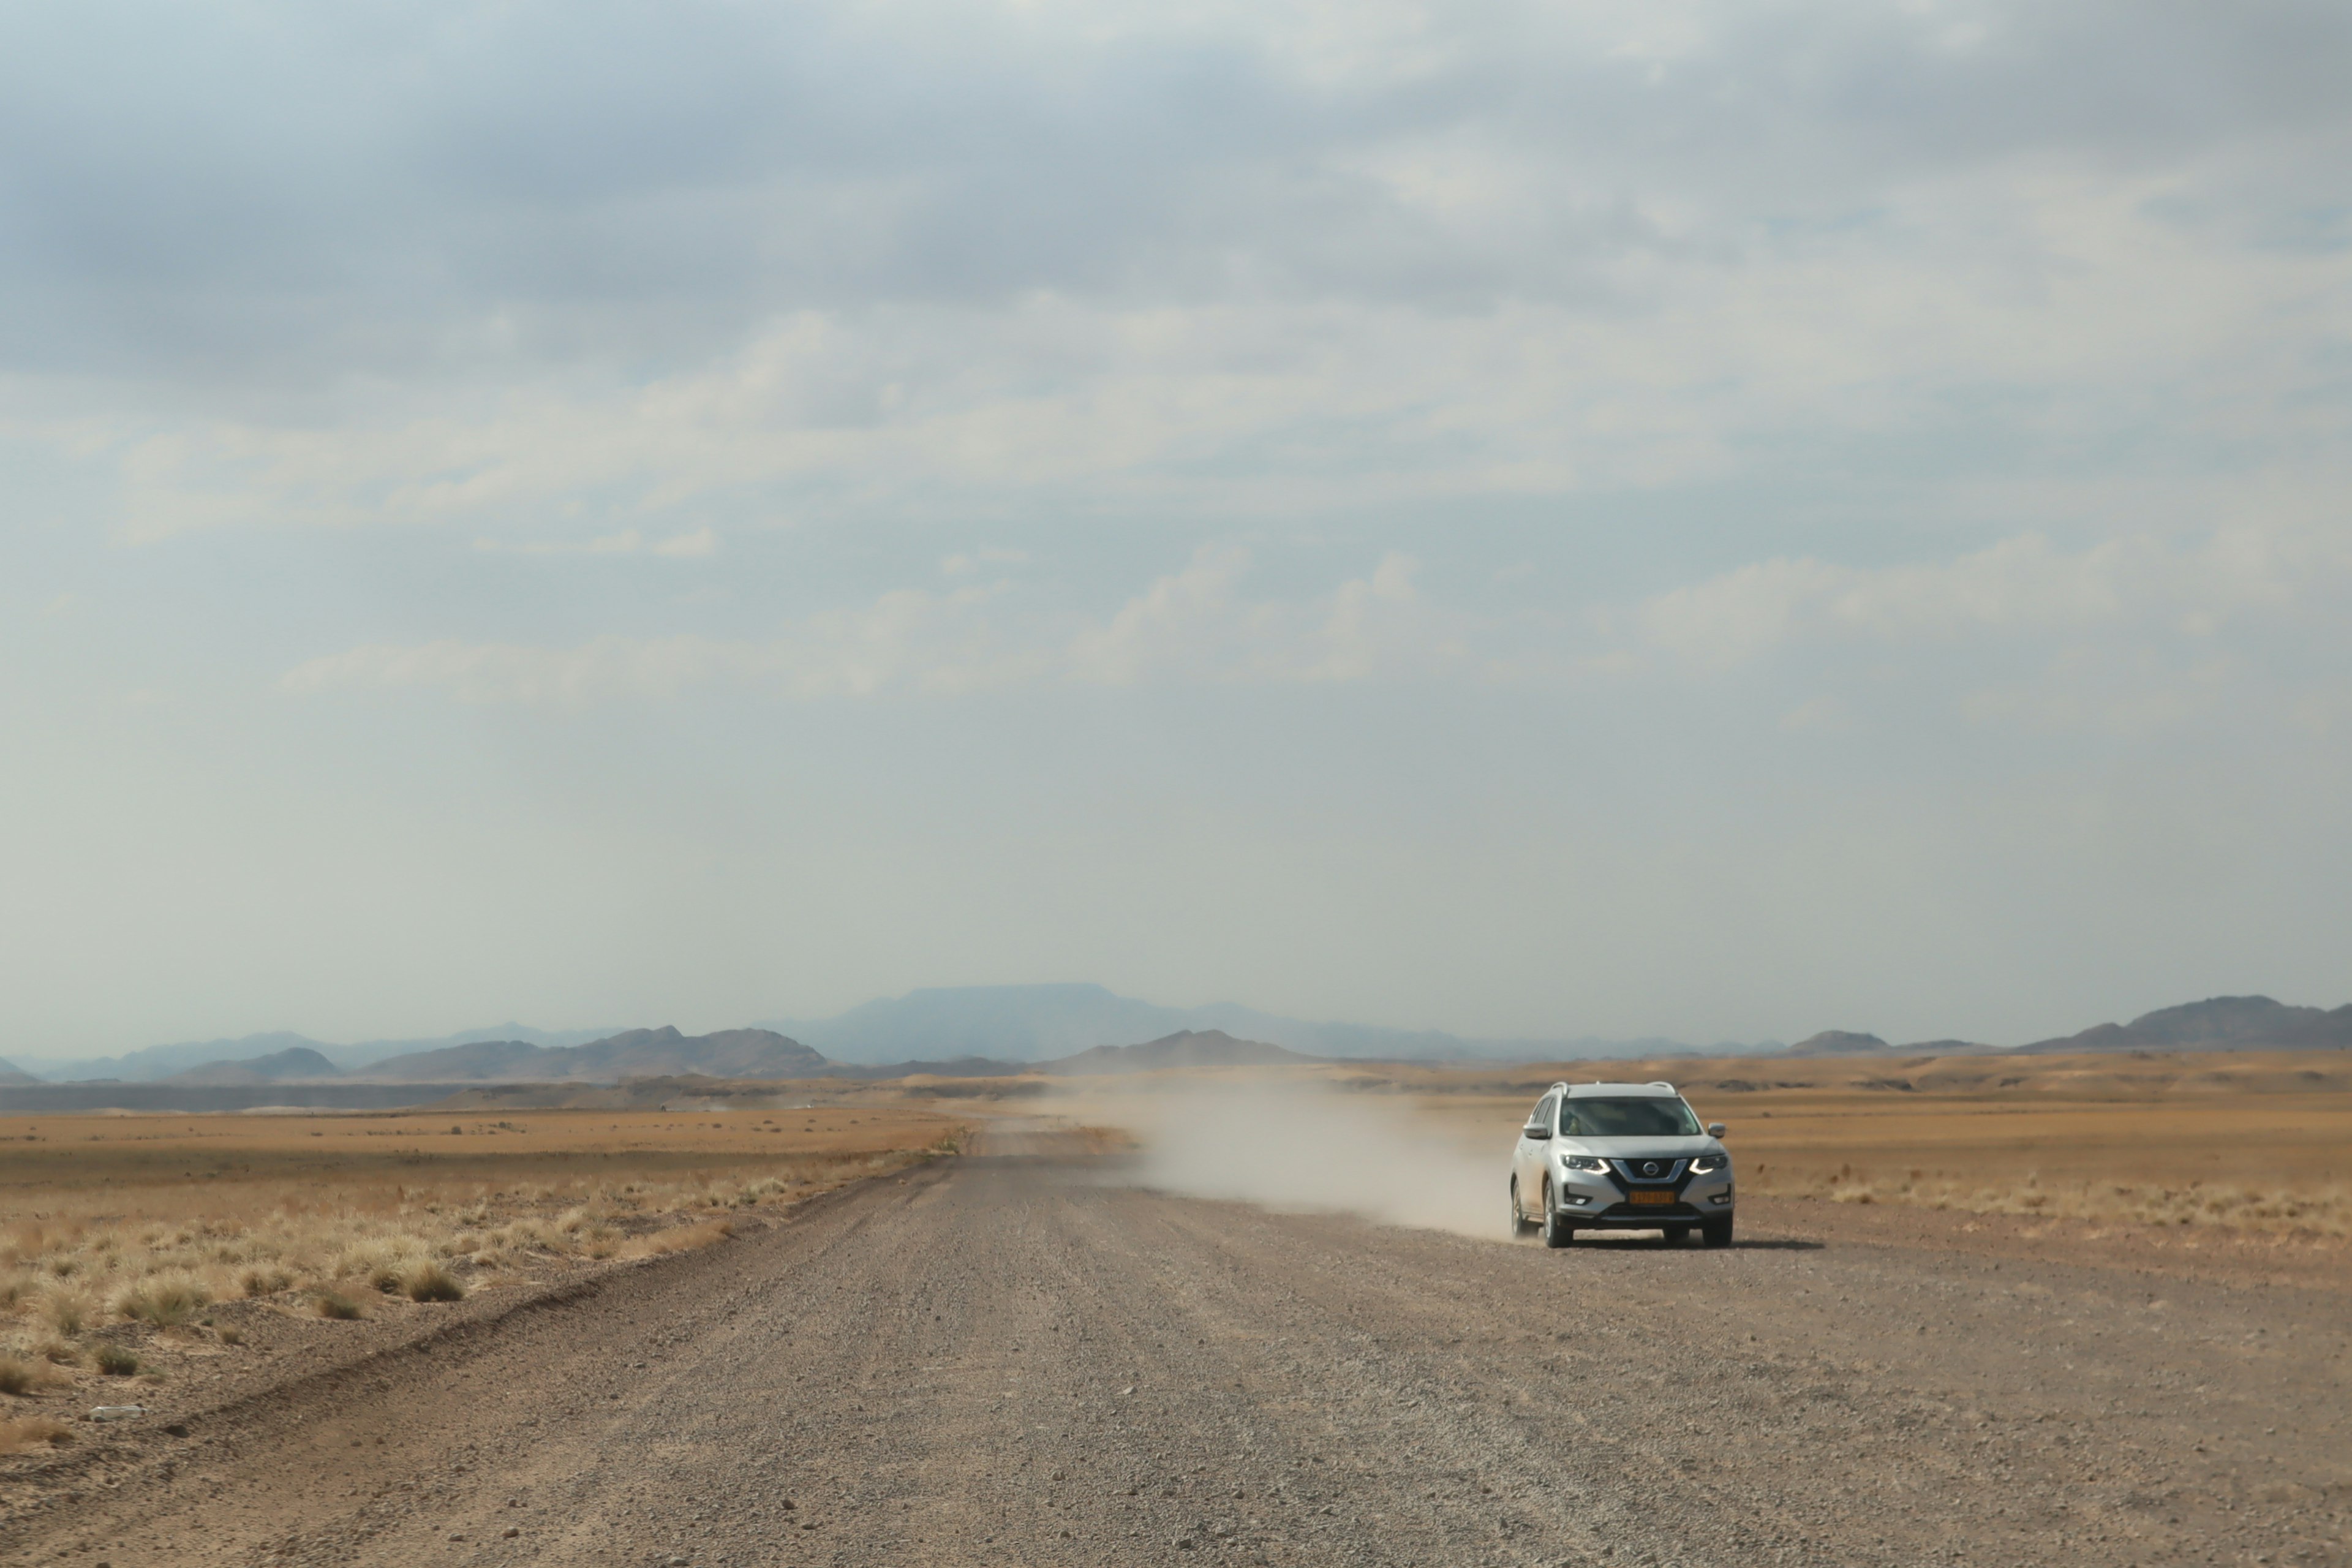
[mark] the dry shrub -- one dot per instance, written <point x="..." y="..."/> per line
<point x="68" y="1311"/>
<point x="679" y="1238"/>
<point x="32" y="1432"/>
<point x="230" y="1335"/>
<point x="166" y="1301"/>
<point x="382" y="1261"/>
<point x="18" y="1375"/>
<point x="329" y="1304"/>
<point x="265" y="1280"/>
<point x="57" y="1353"/>
<point x="429" y="1281"/>
<point x="113" y="1359"/>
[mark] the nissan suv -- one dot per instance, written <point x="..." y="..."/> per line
<point x="1620" y="1156"/>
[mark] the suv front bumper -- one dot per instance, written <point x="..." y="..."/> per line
<point x="1600" y="1204"/>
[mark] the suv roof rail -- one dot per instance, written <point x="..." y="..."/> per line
<point x="1660" y="1083"/>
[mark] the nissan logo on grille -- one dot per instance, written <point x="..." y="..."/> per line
<point x="1649" y="1167"/>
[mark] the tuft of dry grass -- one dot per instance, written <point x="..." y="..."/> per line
<point x="265" y="1280"/>
<point x="114" y="1360"/>
<point x="17" y="1376"/>
<point x="167" y="1302"/>
<point x="429" y="1282"/>
<point x="329" y="1304"/>
<point x="30" y="1432"/>
<point x="66" y="1311"/>
<point x="680" y="1238"/>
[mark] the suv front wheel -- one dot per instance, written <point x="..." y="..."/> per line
<point x="1716" y="1232"/>
<point x="1556" y="1231"/>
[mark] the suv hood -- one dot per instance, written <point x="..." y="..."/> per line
<point x="1640" y="1148"/>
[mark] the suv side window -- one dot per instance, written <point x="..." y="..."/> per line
<point x="1541" y="1116"/>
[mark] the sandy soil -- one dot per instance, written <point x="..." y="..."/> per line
<point x="1011" y="1359"/>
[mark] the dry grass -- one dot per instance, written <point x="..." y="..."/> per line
<point x="429" y="1281"/>
<point x="2251" y="1141"/>
<point x="30" y="1432"/>
<point x="681" y="1238"/>
<point x="17" y="1376"/>
<point x="157" y="1221"/>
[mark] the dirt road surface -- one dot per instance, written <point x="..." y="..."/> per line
<point x="1003" y="1361"/>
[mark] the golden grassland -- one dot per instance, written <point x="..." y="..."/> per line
<point x="2251" y="1141"/>
<point x="125" y="1239"/>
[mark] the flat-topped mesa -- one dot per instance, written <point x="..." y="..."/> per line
<point x="1839" y="1043"/>
<point x="661" y="1052"/>
<point x="1184" y="1049"/>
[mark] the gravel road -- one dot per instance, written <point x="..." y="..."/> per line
<point x="1006" y="1361"/>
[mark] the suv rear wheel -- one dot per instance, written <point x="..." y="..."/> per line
<point x="1556" y="1231"/>
<point x="1677" y="1235"/>
<point x="1521" y="1226"/>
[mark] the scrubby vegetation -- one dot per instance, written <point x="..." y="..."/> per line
<point x="123" y="1276"/>
<point x="2322" y="1209"/>
<point x="28" y="1433"/>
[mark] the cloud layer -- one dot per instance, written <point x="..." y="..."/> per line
<point x="1641" y="516"/>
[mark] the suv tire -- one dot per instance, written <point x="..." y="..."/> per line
<point x="1676" y="1234"/>
<point x="1556" y="1231"/>
<point x="1521" y="1226"/>
<point x="1716" y="1232"/>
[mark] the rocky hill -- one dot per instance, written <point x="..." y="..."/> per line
<point x="296" y="1064"/>
<point x="2216" y="1024"/>
<point x="1185" y="1049"/>
<point x="634" y="1053"/>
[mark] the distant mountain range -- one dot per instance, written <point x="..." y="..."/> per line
<point x="634" y="1053"/>
<point x="2216" y="1024"/>
<point x="980" y="1031"/>
<point x="153" y="1063"/>
<point x="1040" y="1023"/>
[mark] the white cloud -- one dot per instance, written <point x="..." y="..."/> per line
<point x="692" y="545"/>
<point x="1192" y="625"/>
<point x="2021" y="584"/>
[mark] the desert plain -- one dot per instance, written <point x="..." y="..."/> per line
<point x="1982" y="1310"/>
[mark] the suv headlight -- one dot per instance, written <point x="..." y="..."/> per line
<point x="1707" y="1164"/>
<point x="1582" y="1163"/>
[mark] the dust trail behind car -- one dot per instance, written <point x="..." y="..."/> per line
<point x="1306" y="1147"/>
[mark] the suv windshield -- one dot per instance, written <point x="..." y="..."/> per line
<point x="1650" y="1116"/>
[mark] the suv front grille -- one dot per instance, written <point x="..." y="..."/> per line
<point x="1658" y="1171"/>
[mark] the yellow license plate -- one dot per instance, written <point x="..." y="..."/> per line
<point x="1650" y="1198"/>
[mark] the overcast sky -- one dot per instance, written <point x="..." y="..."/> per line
<point x="1719" y="519"/>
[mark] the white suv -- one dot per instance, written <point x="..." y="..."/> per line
<point x="1620" y="1156"/>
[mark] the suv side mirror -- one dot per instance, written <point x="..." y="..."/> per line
<point x="1715" y="1129"/>
<point x="1534" y="1131"/>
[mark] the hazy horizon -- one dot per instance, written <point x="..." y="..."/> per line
<point x="1699" y="522"/>
<point x="1016" y="1022"/>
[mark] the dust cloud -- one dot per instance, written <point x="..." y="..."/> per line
<point x="1306" y="1148"/>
